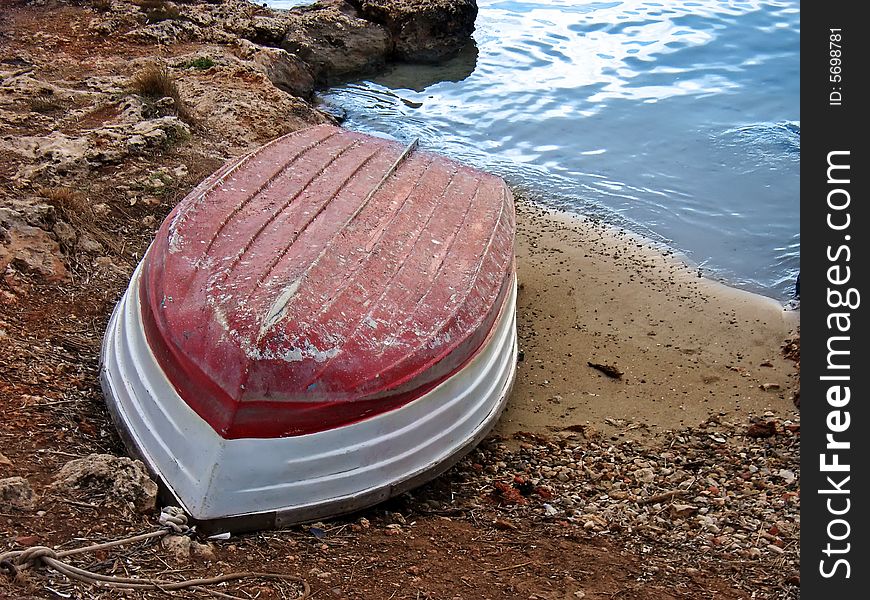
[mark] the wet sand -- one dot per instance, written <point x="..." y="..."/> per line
<point x="689" y="348"/>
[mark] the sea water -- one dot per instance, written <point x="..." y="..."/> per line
<point x="679" y="120"/>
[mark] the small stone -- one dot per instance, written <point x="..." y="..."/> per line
<point x="88" y="244"/>
<point x="149" y="221"/>
<point x="105" y="263"/>
<point x="101" y="209"/>
<point x="646" y="475"/>
<point x="203" y="551"/>
<point x="27" y="540"/>
<point x="178" y="546"/>
<point x="787" y="475"/>
<point x="593" y="521"/>
<point x="681" y="511"/>
<point x="66" y="234"/>
<point x="504" y="525"/>
<point x="17" y="493"/>
<point x="761" y="430"/>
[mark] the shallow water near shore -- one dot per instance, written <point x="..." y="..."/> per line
<point x="676" y="120"/>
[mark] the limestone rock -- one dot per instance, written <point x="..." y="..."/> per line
<point x="286" y="71"/>
<point x="178" y="546"/>
<point x="17" y="493"/>
<point x="88" y="245"/>
<point x="66" y="235"/>
<point x="58" y="151"/>
<point x="157" y="132"/>
<point x="168" y="31"/>
<point x="111" y="478"/>
<point x="203" y="551"/>
<point x="335" y="42"/>
<point x="248" y="109"/>
<point x="423" y="30"/>
<point x="267" y="31"/>
<point x="25" y="243"/>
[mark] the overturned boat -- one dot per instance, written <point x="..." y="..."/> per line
<point x="320" y="325"/>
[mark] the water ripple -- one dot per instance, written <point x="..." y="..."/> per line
<point x="678" y="119"/>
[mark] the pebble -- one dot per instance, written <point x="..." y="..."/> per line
<point x="699" y="494"/>
<point x="17" y="493"/>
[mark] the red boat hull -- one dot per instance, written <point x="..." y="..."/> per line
<point x="316" y="283"/>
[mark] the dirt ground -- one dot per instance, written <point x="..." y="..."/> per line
<point x="677" y="479"/>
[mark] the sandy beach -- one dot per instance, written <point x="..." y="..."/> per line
<point x="689" y="348"/>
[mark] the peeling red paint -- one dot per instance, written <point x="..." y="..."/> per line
<point x="283" y="297"/>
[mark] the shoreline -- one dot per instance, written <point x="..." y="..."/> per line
<point x="674" y="255"/>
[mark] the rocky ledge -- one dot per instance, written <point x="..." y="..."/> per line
<point x="93" y="95"/>
<point x="330" y="39"/>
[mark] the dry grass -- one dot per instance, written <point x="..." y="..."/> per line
<point x="155" y="82"/>
<point x="71" y="205"/>
<point x="74" y="207"/>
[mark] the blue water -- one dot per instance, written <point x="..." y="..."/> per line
<point x="678" y="120"/>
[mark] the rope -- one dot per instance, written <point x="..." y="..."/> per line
<point x="173" y="521"/>
<point x="173" y="518"/>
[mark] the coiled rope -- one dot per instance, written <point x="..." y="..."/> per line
<point x="172" y="520"/>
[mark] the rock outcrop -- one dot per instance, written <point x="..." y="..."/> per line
<point x="250" y="75"/>
<point x="336" y="42"/>
<point x="26" y="243"/>
<point x="286" y="71"/>
<point x="422" y="30"/>
<point x="336" y="39"/>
